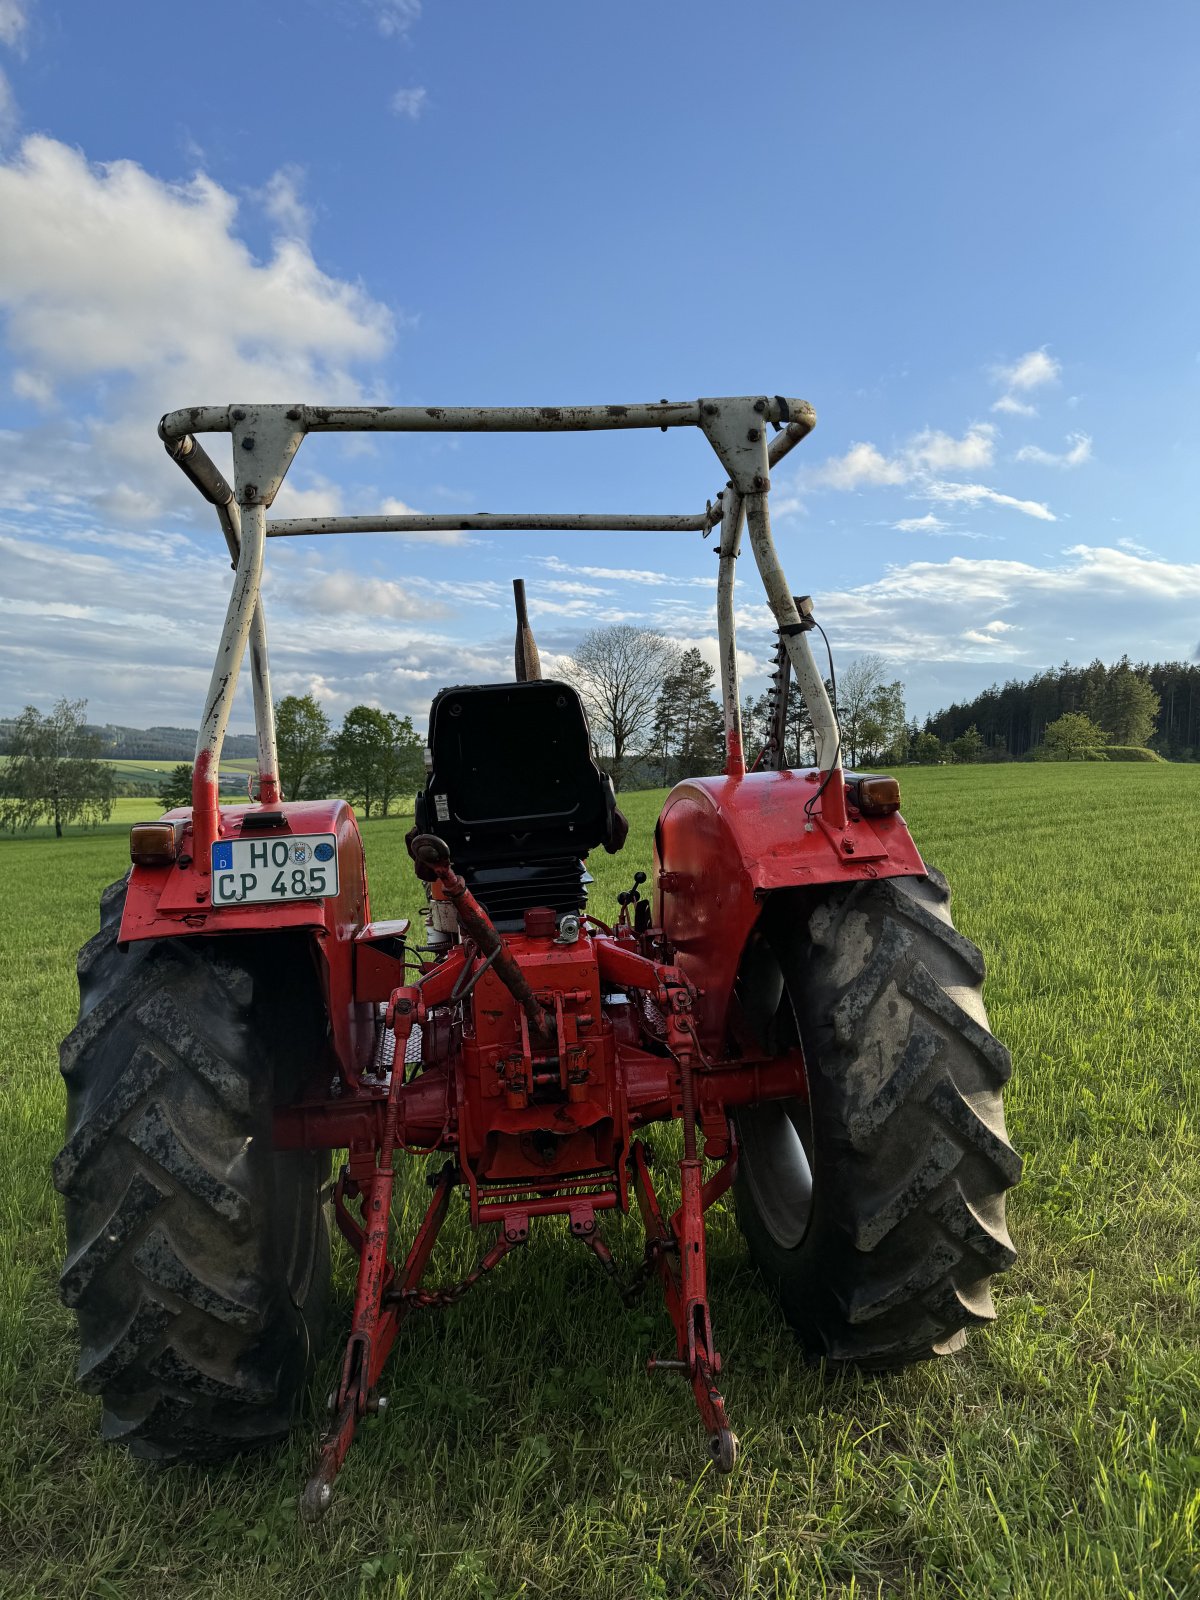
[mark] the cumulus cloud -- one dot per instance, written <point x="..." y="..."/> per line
<point x="924" y="615"/>
<point x="1030" y="371"/>
<point x="190" y="314"/>
<point x="931" y="450"/>
<point x="1014" y="407"/>
<point x="410" y="103"/>
<point x="1079" y="450"/>
<point x="941" y="452"/>
<point x="1033" y="370"/>
<point x="917" y="462"/>
<point x="862" y="465"/>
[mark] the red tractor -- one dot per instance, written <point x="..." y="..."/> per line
<point x="789" y="987"/>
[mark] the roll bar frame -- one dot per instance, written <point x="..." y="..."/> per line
<point x="265" y="439"/>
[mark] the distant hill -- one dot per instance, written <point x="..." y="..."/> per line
<point x="149" y="744"/>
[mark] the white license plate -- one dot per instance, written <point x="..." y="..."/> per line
<point x="294" y="866"/>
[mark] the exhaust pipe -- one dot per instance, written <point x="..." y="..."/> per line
<point x="528" y="665"/>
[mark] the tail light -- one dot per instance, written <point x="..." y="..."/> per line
<point x="878" y="797"/>
<point x="154" y="844"/>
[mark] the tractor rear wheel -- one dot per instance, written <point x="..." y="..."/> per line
<point x="876" y="1209"/>
<point x="197" y="1256"/>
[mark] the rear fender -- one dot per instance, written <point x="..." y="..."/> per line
<point x="722" y="846"/>
<point x="172" y="902"/>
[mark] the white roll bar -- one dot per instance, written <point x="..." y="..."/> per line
<point x="266" y="438"/>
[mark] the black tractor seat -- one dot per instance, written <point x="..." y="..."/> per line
<point x="515" y="791"/>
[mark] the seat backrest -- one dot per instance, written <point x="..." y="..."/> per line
<point x="512" y="775"/>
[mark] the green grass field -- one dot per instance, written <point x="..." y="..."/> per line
<point x="526" y="1452"/>
<point x="154" y="771"/>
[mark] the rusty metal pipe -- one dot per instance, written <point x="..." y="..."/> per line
<point x="482" y="419"/>
<point x="493" y="522"/>
<point x="432" y="857"/>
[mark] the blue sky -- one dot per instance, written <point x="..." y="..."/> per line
<point x="967" y="234"/>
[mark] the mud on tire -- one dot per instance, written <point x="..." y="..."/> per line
<point x="197" y="1257"/>
<point x="877" y="1210"/>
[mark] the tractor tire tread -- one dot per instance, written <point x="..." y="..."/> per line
<point x="196" y="1324"/>
<point x="911" y="1158"/>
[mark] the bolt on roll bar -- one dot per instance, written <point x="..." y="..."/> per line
<point x="266" y="437"/>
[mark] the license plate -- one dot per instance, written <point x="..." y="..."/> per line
<point x="299" y="866"/>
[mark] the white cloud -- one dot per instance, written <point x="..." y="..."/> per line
<point x="635" y="575"/>
<point x="10" y="117"/>
<point x="343" y="592"/>
<point x="13" y="21"/>
<point x="1079" y="450"/>
<point x="410" y="103"/>
<point x="395" y="18"/>
<point x="862" y="465"/>
<point x="188" y="315"/>
<point x="931" y="450"/>
<point x="926" y="524"/>
<point x="319" y="498"/>
<point x="926" y="612"/>
<point x="990" y="634"/>
<point x="924" y="454"/>
<point x="978" y="493"/>
<point x="1033" y="370"/>
<point x="282" y="199"/>
<point x="1014" y="407"/>
<point x="940" y="452"/>
<point x="31" y="386"/>
<point x="1030" y="371"/>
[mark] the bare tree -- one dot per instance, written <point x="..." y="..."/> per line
<point x="870" y="708"/>
<point x="620" y="672"/>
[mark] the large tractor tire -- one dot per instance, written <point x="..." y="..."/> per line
<point x="876" y="1209"/>
<point x="197" y="1257"/>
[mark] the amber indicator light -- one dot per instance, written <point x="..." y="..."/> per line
<point x="878" y="797"/>
<point x="153" y="844"/>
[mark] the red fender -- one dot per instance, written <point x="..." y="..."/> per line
<point x="722" y="845"/>
<point x="174" y="901"/>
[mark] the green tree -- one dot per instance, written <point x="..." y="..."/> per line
<point x="1073" y="733"/>
<point x="402" y="764"/>
<point x="302" y="738"/>
<point x="1129" y="705"/>
<point x="176" y="790"/>
<point x="689" y="728"/>
<point x="54" y="771"/>
<point x="968" y="746"/>
<point x="928" y="749"/>
<point x="374" y="757"/>
<point x="870" y="710"/>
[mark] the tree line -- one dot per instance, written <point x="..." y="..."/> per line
<point x="374" y="759"/>
<point x="656" y="718"/>
<point x="1130" y="705"/>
